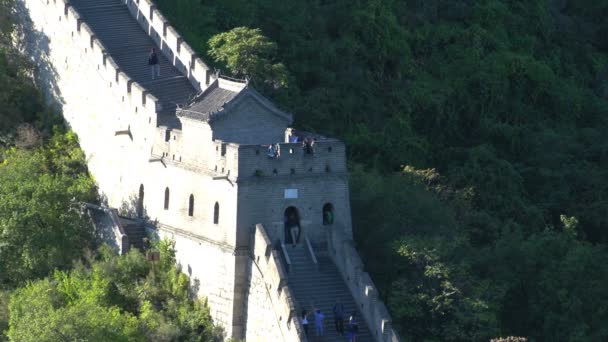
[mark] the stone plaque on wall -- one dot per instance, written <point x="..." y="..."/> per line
<point x="291" y="193"/>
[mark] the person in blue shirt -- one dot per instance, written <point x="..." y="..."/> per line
<point x="319" y="318"/>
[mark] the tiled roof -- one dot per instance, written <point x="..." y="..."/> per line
<point x="220" y="97"/>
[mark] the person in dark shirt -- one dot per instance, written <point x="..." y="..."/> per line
<point x="153" y="63"/>
<point x="305" y="321"/>
<point x="339" y="317"/>
<point x="353" y="328"/>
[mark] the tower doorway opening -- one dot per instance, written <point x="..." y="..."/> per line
<point x="292" y="225"/>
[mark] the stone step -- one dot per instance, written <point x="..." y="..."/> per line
<point x="321" y="286"/>
<point x="129" y="46"/>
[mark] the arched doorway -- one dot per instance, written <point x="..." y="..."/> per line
<point x="328" y="214"/>
<point x="140" y="202"/>
<point x="293" y="229"/>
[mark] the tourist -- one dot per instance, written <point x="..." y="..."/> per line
<point x="308" y="144"/>
<point x="153" y="63"/>
<point x="305" y="322"/>
<point x="274" y="151"/>
<point x="353" y="328"/>
<point x="319" y="317"/>
<point x="339" y="317"/>
<point x="294" y="228"/>
<point x="293" y="137"/>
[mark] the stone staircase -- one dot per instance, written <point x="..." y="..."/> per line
<point x="321" y="286"/>
<point x="135" y="231"/>
<point x="129" y="45"/>
<point x="136" y="234"/>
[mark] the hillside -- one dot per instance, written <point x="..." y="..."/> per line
<point x="476" y="132"/>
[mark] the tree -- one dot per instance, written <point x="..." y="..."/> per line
<point x="41" y="226"/>
<point x="248" y="53"/>
<point x="113" y="298"/>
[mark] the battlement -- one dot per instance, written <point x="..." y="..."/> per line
<point x="241" y="161"/>
<point x="130" y="92"/>
<point x="171" y="43"/>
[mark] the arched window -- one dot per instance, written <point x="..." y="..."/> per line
<point x="216" y="213"/>
<point x="167" y="198"/>
<point x="328" y="214"/>
<point x="140" y="201"/>
<point x="191" y="206"/>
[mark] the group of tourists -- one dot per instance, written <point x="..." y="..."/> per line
<point x="274" y="150"/>
<point x="307" y="144"/>
<point x="352" y="327"/>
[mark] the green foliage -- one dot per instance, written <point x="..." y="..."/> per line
<point x="112" y="298"/>
<point x="434" y="298"/>
<point x="4" y="300"/>
<point x="41" y="226"/>
<point x="499" y="110"/>
<point x="248" y="53"/>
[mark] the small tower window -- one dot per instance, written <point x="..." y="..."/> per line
<point x="216" y="213"/>
<point x="167" y="198"/>
<point x="328" y="214"/>
<point x="191" y="206"/>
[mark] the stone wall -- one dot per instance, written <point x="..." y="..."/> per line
<point x="342" y="251"/>
<point x="116" y="122"/>
<point x="271" y="311"/>
<point x="211" y="268"/>
<point x="249" y="123"/>
<point x="302" y="181"/>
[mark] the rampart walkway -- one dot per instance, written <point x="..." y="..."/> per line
<point x="129" y="46"/>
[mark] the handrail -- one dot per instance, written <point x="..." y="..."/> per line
<point x="311" y="251"/>
<point x="286" y="255"/>
<point x="268" y="259"/>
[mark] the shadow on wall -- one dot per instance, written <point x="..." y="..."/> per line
<point x="35" y="45"/>
<point x="131" y="208"/>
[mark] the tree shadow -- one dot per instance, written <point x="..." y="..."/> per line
<point x="34" y="45"/>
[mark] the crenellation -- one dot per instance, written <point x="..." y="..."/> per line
<point x="73" y="17"/>
<point x="171" y="43"/>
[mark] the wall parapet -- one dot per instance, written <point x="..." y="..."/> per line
<point x="345" y="256"/>
<point x="267" y="261"/>
<point x="84" y="37"/>
<point x="171" y="43"/>
<point x="240" y="161"/>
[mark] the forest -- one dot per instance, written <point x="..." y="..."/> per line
<point x="477" y="146"/>
<point x="476" y="134"/>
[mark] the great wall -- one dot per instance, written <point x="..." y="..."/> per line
<point x="185" y="156"/>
